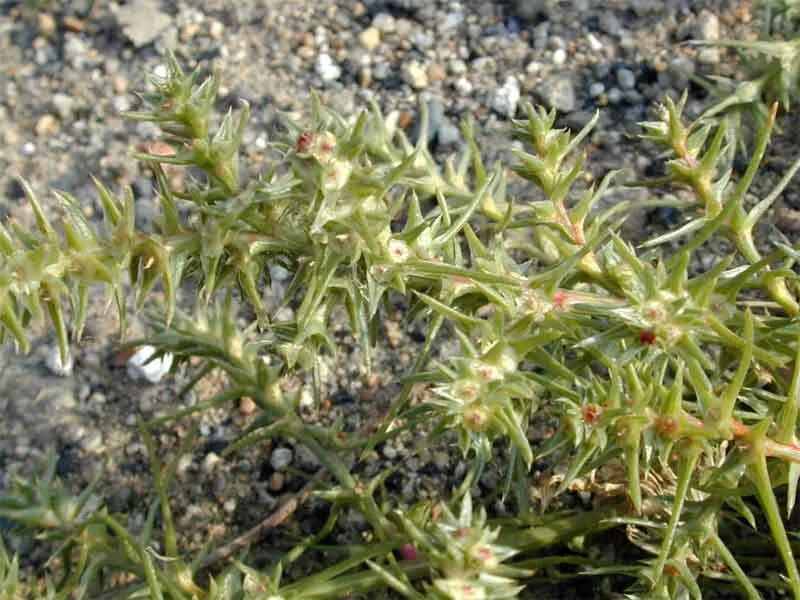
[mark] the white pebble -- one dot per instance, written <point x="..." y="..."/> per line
<point x="506" y="97"/>
<point x="463" y="86"/>
<point x="53" y="362"/>
<point x="154" y="370"/>
<point x="559" y="57"/>
<point x="306" y="398"/>
<point x="211" y="461"/>
<point x="326" y="68"/>
<point x="595" y="44"/>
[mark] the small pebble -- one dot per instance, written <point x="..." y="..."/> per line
<point x="505" y="99"/>
<point x="559" y="57"/>
<point x="247" y="406"/>
<point x="558" y="92"/>
<point x="281" y="458"/>
<point x="626" y="79"/>
<point x="364" y="76"/>
<point x="463" y="86"/>
<point x="53" y="362"/>
<point x="436" y="72"/>
<point x="47" y="24"/>
<point x="457" y="66"/>
<point x="370" y="38"/>
<point x="46" y="125"/>
<point x="74" y="24"/>
<point x="92" y="441"/>
<point x="326" y="68"/>
<point x="596" y="89"/>
<point x="707" y="26"/>
<point x="416" y="75"/>
<point x="211" y="461"/>
<point x="140" y="366"/>
<point x="120" y="84"/>
<point x="276" y="481"/>
<point x="184" y="463"/>
<point x="216" y="30"/>
<point x="448" y="134"/>
<point x="788" y="219"/>
<point x="595" y="44"/>
<point x="614" y="95"/>
<point x="64" y="105"/>
<point x="384" y="22"/>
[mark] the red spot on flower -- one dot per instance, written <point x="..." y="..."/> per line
<point x="409" y="552"/>
<point x="667" y="426"/>
<point x="591" y="414"/>
<point x="671" y="571"/>
<point x="561" y="300"/>
<point x="485" y="554"/>
<point x="304" y="141"/>
<point x="462" y="532"/>
<point x="647" y="337"/>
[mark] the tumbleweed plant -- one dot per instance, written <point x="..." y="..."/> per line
<point x="671" y="384"/>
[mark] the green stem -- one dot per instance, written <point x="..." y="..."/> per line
<point x="728" y="558"/>
<point x="632" y="459"/>
<point x="684" y="480"/>
<point x="776" y="286"/>
<point x="760" y="474"/>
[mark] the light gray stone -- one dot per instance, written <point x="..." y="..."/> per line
<point x="281" y="458"/>
<point x="143" y="22"/>
<point x="558" y="91"/>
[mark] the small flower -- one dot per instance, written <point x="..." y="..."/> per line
<point x="488" y="372"/>
<point x="533" y="303"/>
<point x="667" y="426"/>
<point x="655" y="312"/>
<point x="485" y="557"/>
<point x="647" y="337"/>
<point x="591" y="414"/>
<point x="467" y="390"/>
<point x="323" y="147"/>
<point x="304" y="141"/>
<point x="476" y="418"/>
<point x="336" y="174"/>
<point x="399" y="251"/>
<point x="381" y="272"/>
<point x="459" y="589"/>
<point x="561" y="300"/>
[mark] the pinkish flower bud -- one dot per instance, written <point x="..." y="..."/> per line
<point x="409" y="552"/>
<point x="304" y="141"/>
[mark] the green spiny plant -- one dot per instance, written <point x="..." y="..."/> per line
<point x="676" y="390"/>
<point x="769" y="73"/>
